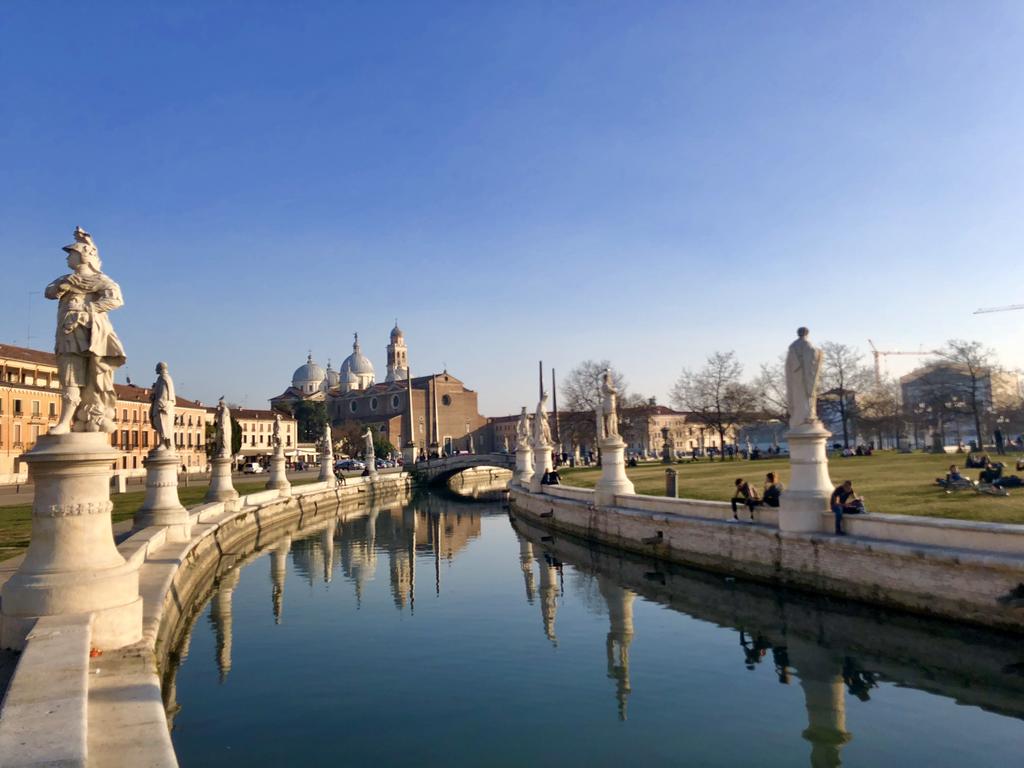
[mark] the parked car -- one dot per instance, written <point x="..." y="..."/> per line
<point x="252" y="468"/>
<point x="349" y="465"/>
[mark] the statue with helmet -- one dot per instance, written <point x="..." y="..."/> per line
<point x="88" y="351"/>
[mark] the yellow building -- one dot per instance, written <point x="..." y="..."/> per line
<point x="30" y="404"/>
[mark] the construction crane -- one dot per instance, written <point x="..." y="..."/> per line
<point x="986" y="310"/>
<point x="879" y="354"/>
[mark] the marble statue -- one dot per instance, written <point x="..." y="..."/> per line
<point x="327" y="439"/>
<point x="161" y="408"/>
<point x="368" y="451"/>
<point x="523" y="431"/>
<point x="803" y="367"/>
<point x="276" y="438"/>
<point x="88" y="351"/>
<point x="607" y="409"/>
<point x="504" y="442"/>
<point x="222" y="422"/>
<point x="541" y="430"/>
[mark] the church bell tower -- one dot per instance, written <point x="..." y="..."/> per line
<point x="398" y="356"/>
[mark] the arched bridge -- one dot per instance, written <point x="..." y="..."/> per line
<point x="437" y="471"/>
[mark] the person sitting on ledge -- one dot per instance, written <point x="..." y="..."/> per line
<point x="745" y="494"/>
<point x="844" y="500"/>
<point x="772" y="490"/>
<point x="551" y="478"/>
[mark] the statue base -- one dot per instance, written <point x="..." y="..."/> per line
<point x="221" y="486"/>
<point x="542" y="464"/>
<point x="161" y="506"/>
<point x="72" y="564"/>
<point x="409" y="455"/>
<point x="613" y="480"/>
<point x="810" y="487"/>
<point x="278" y="479"/>
<point x="326" y="469"/>
<point x="524" y="467"/>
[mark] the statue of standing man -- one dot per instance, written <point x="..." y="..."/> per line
<point x="541" y="429"/>
<point x="161" y="408"/>
<point x="88" y="351"/>
<point x="276" y="438"/>
<point x="368" y="451"/>
<point x="803" y="367"/>
<point x="222" y="423"/>
<point x="609" y="419"/>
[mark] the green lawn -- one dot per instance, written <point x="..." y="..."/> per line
<point x="16" y="521"/>
<point x="893" y="483"/>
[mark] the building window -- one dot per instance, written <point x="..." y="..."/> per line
<point x="288" y="440"/>
<point x="447" y="399"/>
<point x="395" y="401"/>
<point x="145" y="438"/>
<point x="373" y="403"/>
<point x="352" y="406"/>
<point x="17" y="407"/>
<point x="35" y="408"/>
<point x="124" y="438"/>
<point x="17" y="435"/>
<point x="35" y="434"/>
<point x="124" y="414"/>
<point x="53" y="410"/>
<point x="135" y="438"/>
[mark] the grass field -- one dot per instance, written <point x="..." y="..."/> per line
<point x="899" y="484"/>
<point x="16" y="521"/>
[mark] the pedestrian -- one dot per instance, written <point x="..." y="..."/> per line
<point x="772" y="490"/>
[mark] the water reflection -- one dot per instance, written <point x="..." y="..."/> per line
<point x="834" y="649"/>
<point x="824" y="652"/>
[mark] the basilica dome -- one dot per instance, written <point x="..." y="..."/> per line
<point x="356" y="371"/>
<point x="308" y="378"/>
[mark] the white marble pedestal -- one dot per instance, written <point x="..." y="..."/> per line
<point x="278" y="479"/>
<point x="326" y="468"/>
<point x="541" y="464"/>
<point x="810" y="487"/>
<point x="222" y="488"/>
<point x="409" y="455"/>
<point x="613" y="472"/>
<point x="161" y="505"/>
<point x="524" y="467"/>
<point x="72" y="564"/>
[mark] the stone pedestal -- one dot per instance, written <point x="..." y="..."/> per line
<point x="221" y="486"/>
<point x="613" y="472"/>
<point x="409" y="455"/>
<point x="326" y="468"/>
<point x="524" y="467"/>
<point x="72" y="565"/>
<point x="810" y="487"/>
<point x="541" y="464"/>
<point x="278" y="479"/>
<point x="161" y="505"/>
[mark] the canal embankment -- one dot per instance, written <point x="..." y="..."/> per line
<point x="964" y="571"/>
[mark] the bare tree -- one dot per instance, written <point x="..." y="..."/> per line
<point x="881" y="411"/>
<point x="843" y="374"/>
<point x="770" y="386"/>
<point x="716" y="395"/>
<point x="977" y="364"/>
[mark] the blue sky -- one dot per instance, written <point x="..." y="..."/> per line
<point x="639" y="181"/>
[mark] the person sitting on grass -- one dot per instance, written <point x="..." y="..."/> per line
<point x="991" y="473"/>
<point x="772" y="490"/>
<point x="745" y="494"/>
<point x="845" y="500"/>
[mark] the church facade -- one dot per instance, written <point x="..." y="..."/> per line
<point x="438" y="413"/>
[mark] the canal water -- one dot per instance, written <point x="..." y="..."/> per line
<point x="447" y="633"/>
